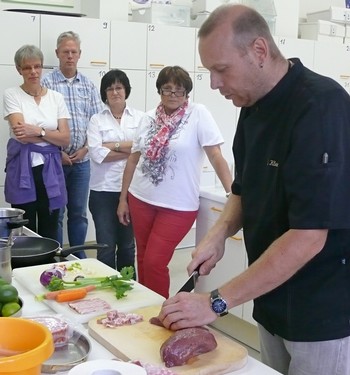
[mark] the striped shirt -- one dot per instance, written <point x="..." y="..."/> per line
<point x="82" y="99"/>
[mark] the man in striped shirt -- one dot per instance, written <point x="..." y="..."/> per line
<point x="83" y="100"/>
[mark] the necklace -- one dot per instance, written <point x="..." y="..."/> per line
<point x="117" y="117"/>
<point x="34" y="95"/>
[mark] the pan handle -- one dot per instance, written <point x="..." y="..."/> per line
<point x="17" y="223"/>
<point x="73" y="249"/>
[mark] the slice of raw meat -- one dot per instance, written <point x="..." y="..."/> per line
<point x="185" y="344"/>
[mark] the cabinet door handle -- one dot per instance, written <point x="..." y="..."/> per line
<point x="98" y="63"/>
<point x="156" y="65"/>
<point x="235" y="238"/>
<point x="216" y="209"/>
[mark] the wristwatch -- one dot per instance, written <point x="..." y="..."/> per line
<point x="116" y="146"/>
<point x="217" y="303"/>
<point x="42" y="133"/>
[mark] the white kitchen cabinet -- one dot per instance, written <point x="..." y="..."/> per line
<point x="170" y="45"/>
<point x="333" y="60"/>
<point x="301" y="48"/>
<point x="16" y="30"/>
<point x="94" y="35"/>
<point x="137" y="98"/>
<point x="223" y="111"/>
<point x="9" y="78"/>
<point x="233" y="261"/>
<point x="128" y="45"/>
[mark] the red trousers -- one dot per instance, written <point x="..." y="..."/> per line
<point x="158" y="231"/>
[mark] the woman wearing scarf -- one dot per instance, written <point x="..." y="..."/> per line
<point x="160" y="190"/>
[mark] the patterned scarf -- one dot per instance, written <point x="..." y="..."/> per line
<point x="155" y="156"/>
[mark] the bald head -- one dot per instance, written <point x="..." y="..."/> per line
<point x="246" y="25"/>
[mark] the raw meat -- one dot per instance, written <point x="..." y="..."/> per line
<point x="154" y="320"/>
<point x="185" y="344"/>
<point x="87" y="306"/>
<point x="115" y="318"/>
<point x="58" y="327"/>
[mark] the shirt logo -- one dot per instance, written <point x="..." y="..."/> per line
<point x="272" y="163"/>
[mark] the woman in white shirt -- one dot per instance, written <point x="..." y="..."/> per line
<point x="110" y="135"/>
<point x="163" y="173"/>
<point x="38" y="119"/>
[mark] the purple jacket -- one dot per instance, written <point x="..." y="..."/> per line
<point x="19" y="182"/>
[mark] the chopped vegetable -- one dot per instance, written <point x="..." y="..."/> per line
<point x="47" y="275"/>
<point x="76" y="266"/>
<point x="53" y="295"/>
<point x="71" y="295"/>
<point x="120" y="283"/>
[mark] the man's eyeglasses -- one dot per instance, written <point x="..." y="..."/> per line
<point x="169" y="92"/>
<point x="116" y="89"/>
<point x="28" y="68"/>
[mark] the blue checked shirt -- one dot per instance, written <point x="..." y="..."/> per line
<point x="83" y="100"/>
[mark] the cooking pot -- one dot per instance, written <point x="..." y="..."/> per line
<point x="10" y="215"/>
<point x="30" y="250"/>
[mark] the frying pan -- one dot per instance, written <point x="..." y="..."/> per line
<point x="30" y="250"/>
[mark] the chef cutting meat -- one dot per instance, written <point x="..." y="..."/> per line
<point x="289" y="195"/>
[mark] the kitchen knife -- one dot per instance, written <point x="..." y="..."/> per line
<point x="191" y="281"/>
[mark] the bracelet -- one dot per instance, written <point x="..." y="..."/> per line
<point x="228" y="194"/>
<point x="86" y="147"/>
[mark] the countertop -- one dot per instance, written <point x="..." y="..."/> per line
<point x="216" y="193"/>
<point x="32" y="307"/>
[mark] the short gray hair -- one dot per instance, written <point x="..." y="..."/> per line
<point x="68" y="35"/>
<point x="28" y="52"/>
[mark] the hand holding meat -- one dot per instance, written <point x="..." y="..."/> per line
<point x="181" y="311"/>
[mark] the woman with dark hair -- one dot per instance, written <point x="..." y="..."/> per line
<point x="110" y="133"/>
<point x="163" y="173"/>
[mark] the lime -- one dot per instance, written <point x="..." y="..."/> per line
<point x="10" y="308"/>
<point x="2" y="281"/>
<point x="8" y="293"/>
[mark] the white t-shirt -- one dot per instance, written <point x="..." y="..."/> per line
<point x="104" y="128"/>
<point x="45" y="114"/>
<point x="179" y="189"/>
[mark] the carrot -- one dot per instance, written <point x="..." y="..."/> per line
<point x="53" y="295"/>
<point x="71" y="295"/>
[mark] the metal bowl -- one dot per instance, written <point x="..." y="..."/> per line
<point x="66" y="357"/>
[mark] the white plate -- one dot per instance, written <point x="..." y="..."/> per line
<point x="124" y="368"/>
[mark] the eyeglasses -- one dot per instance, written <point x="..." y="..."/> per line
<point x="115" y="89"/>
<point x="169" y="92"/>
<point x="28" y="68"/>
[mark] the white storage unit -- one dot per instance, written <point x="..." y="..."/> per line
<point x="128" y="53"/>
<point x="333" y="14"/>
<point x="163" y="14"/>
<point x="26" y="31"/>
<point x="333" y="60"/>
<point x="94" y="35"/>
<point x="301" y="48"/>
<point x="322" y="31"/>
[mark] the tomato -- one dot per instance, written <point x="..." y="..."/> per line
<point x="10" y="308"/>
<point x="8" y="293"/>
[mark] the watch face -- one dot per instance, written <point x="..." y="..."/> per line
<point x="219" y="305"/>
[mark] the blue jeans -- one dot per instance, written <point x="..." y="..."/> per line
<point x="77" y="182"/>
<point x="103" y="207"/>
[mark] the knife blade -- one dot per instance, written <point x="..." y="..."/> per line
<point x="191" y="282"/>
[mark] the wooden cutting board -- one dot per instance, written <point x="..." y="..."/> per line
<point x="142" y="342"/>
